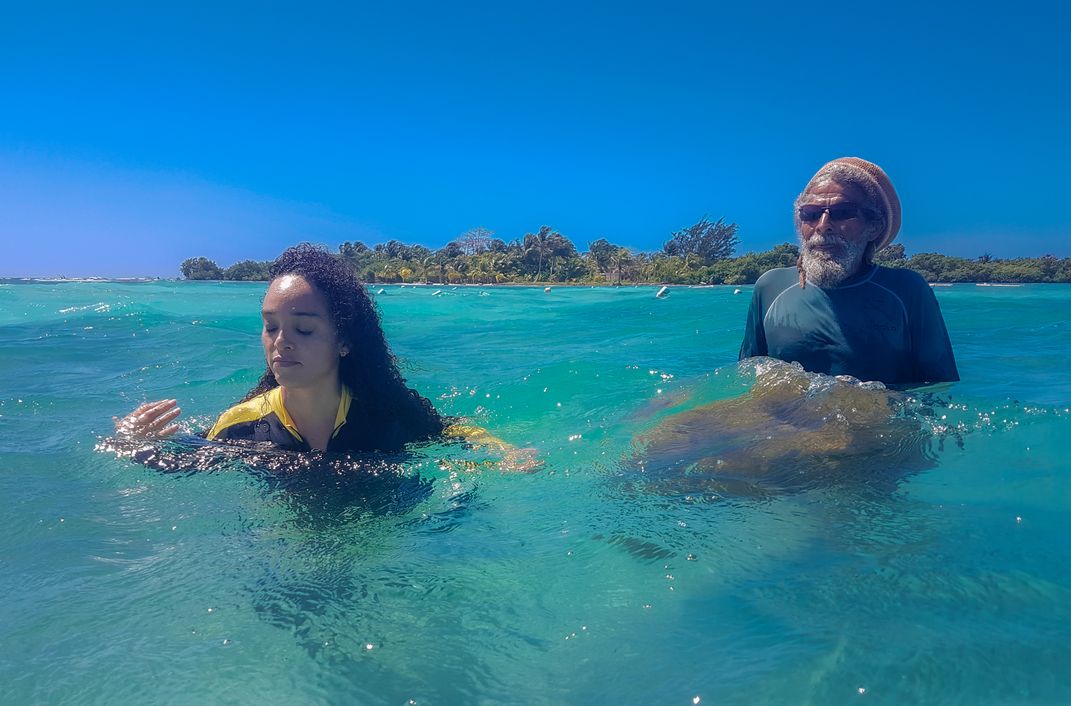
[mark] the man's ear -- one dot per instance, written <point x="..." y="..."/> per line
<point x="871" y="250"/>
<point x="872" y="231"/>
<point x="876" y="229"/>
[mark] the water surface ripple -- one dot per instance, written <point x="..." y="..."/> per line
<point x="698" y="529"/>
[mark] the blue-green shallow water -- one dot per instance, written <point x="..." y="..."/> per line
<point x="461" y="584"/>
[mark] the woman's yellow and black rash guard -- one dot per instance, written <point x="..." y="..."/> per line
<point x="265" y="419"/>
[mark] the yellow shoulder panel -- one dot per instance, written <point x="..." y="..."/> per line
<point x="249" y="411"/>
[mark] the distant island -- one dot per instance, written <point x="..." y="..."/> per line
<point x="699" y="254"/>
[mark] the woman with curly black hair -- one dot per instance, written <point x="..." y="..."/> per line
<point x="331" y="381"/>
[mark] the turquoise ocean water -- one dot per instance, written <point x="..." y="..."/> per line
<point x="934" y="568"/>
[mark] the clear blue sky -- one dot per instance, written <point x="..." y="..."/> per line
<point x="134" y="135"/>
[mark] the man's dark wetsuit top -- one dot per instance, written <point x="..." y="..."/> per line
<point x="265" y="419"/>
<point x="881" y="324"/>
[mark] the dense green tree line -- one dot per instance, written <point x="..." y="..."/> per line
<point x="699" y="254"/>
<point x="943" y="268"/>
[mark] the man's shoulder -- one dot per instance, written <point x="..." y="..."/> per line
<point x="778" y="279"/>
<point x="899" y="279"/>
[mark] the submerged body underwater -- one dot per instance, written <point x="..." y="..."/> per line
<point x="738" y="533"/>
<point x="791" y="430"/>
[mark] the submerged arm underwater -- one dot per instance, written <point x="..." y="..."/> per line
<point x="149" y="436"/>
<point x="514" y="459"/>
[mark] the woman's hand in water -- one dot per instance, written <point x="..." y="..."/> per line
<point x="151" y="419"/>
<point x="524" y="460"/>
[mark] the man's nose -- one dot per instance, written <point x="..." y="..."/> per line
<point x="825" y="223"/>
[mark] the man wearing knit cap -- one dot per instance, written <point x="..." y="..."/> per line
<point x="838" y="313"/>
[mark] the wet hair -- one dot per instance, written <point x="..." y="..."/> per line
<point x="369" y="369"/>
<point x="873" y="205"/>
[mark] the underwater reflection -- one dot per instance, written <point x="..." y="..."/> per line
<point x="791" y="431"/>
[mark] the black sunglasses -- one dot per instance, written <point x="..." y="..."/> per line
<point x="837" y="212"/>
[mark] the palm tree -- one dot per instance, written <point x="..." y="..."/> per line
<point x="600" y="255"/>
<point x="619" y="259"/>
<point x="540" y="244"/>
<point x="424" y="264"/>
<point x="460" y="267"/>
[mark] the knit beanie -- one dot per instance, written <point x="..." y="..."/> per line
<point x="876" y="176"/>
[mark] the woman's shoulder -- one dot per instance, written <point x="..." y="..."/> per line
<point x="251" y="410"/>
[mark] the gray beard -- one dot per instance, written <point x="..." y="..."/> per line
<point x="824" y="270"/>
